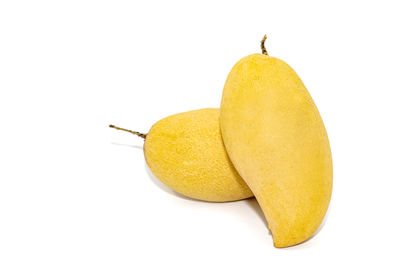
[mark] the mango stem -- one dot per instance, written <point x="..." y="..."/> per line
<point x="129" y="131"/>
<point x="264" y="51"/>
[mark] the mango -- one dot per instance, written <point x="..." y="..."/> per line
<point x="185" y="151"/>
<point x="276" y="139"/>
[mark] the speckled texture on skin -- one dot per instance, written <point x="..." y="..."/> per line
<point x="185" y="151"/>
<point x="276" y="139"/>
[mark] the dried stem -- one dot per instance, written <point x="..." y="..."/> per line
<point x="129" y="131"/>
<point x="264" y="51"/>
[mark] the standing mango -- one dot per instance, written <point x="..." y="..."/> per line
<point x="276" y="140"/>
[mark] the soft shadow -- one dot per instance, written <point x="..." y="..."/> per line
<point x="126" y="145"/>
<point x="252" y="203"/>
<point x="163" y="187"/>
<point x="154" y="179"/>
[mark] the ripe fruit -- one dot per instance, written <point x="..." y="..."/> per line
<point x="185" y="151"/>
<point x="276" y="140"/>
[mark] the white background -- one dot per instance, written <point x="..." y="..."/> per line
<point x="74" y="192"/>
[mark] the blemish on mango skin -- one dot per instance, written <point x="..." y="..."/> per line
<point x="276" y="139"/>
<point x="185" y="151"/>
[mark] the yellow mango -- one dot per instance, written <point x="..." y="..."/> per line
<point x="276" y="140"/>
<point x="185" y="151"/>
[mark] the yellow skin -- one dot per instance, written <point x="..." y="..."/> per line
<point x="276" y="139"/>
<point x="185" y="151"/>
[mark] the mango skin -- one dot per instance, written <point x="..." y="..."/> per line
<point x="276" y="139"/>
<point x="185" y="151"/>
